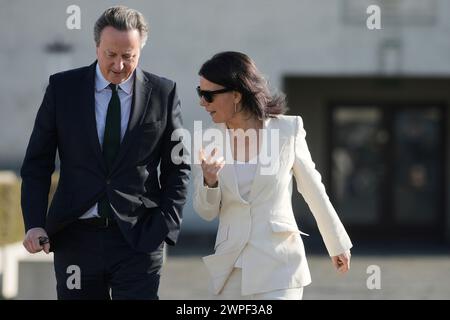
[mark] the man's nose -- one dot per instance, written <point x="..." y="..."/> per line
<point x="118" y="64"/>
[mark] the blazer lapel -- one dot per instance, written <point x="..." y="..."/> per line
<point x="227" y="174"/>
<point x="271" y="149"/>
<point x="141" y="96"/>
<point x="258" y="181"/>
<point x="268" y="159"/>
<point x="87" y="105"/>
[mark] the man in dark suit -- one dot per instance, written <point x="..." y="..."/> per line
<point x="112" y="125"/>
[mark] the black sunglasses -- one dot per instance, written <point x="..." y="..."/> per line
<point x="209" y="95"/>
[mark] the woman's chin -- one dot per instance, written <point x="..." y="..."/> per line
<point x="215" y="119"/>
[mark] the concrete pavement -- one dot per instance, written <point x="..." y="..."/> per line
<point x="420" y="276"/>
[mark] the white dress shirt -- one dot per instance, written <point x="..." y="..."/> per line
<point x="102" y="96"/>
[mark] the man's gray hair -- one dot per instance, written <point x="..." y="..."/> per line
<point x="123" y="19"/>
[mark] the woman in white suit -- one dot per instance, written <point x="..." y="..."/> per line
<point x="259" y="252"/>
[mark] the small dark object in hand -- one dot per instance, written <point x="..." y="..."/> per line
<point x="43" y="240"/>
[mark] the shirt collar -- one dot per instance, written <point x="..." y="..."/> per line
<point x="101" y="83"/>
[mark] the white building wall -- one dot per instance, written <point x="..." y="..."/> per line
<point x="283" y="37"/>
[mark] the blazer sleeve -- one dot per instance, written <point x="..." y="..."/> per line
<point x="309" y="184"/>
<point x="174" y="177"/>
<point x="39" y="164"/>
<point x="207" y="200"/>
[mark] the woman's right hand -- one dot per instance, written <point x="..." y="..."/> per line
<point x="342" y="261"/>
<point x="211" y="167"/>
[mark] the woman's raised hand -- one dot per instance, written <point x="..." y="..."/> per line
<point x="211" y="167"/>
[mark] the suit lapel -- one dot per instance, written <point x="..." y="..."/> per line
<point x="269" y="158"/>
<point x="258" y="181"/>
<point x="228" y="177"/>
<point x="87" y="105"/>
<point x="270" y="150"/>
<point x="228" y="174"/>
<point x="141" y="96"/>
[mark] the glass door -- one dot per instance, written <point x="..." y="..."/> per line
<point x="387" y="167"/>
<point x="417" y="166"/>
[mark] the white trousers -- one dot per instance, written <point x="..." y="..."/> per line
<point x="232" y="291"/>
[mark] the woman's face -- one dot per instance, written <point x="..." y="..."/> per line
<point x="222" y="108"/>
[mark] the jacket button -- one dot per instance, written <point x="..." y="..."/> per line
<point x="108" y="182"/>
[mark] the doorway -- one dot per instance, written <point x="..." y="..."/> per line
<point x="387" y="168"/>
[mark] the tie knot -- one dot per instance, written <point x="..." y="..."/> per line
<point x="113" y="87"/>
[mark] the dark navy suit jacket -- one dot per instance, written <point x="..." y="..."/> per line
<point x="147" y="205"/>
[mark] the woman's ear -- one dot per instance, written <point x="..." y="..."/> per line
<point x="237" y="97"/>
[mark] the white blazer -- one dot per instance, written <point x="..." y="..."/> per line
<point x="263" y="230"/>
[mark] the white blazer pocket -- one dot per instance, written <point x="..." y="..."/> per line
<point x="284" y="226"/>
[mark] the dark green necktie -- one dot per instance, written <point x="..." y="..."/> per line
<point x="111" y="143"/>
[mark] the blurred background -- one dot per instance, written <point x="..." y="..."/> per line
<point x="374" y="104"/>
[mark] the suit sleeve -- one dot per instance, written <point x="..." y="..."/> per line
<point x="39" y="164"/>
<point x="174" y="177"/>
<point x="309" y="184"/>
<point x="206" y="200"/>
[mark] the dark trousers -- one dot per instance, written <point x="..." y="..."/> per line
<point x="97" y="263"/>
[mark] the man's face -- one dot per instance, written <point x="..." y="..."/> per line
<point x="118" y="53"/>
